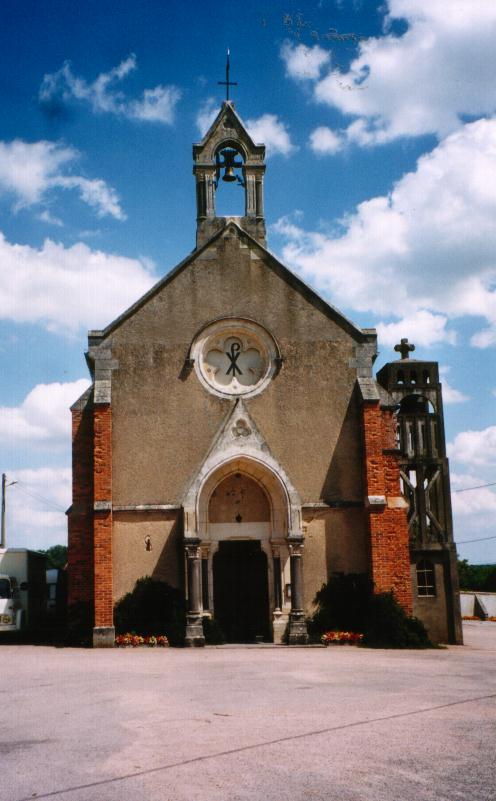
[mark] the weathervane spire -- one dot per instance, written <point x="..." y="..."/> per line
<point x="227" y="83"/>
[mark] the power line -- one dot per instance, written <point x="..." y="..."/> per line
<point x="479" y="539"/>
<point x="480" y="486"/>
<point x="39" y="497"/>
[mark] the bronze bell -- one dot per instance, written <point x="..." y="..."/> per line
<point x="229" y="173"/>
<point x="229" y="164"/>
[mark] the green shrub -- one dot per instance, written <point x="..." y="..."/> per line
<point x="388" y="625"/>
<point x="153" y="607"/>
<point x="341" y="605"/>
<point x="348" y="603"/>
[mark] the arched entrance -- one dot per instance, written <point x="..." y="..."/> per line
<point x="242" y="495"/>
<point x="239" y="512"/>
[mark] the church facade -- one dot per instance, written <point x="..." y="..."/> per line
<point x="236" y="443"/>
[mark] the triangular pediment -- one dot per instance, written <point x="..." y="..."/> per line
<point x="240" y="446"/>
<point x="239" y="436"/>
<point x="227" y="126"/>
<point x="232" y="229"/>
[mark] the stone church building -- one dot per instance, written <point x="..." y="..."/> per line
<point x="236" y="444"/>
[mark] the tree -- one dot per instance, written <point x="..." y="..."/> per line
<point x="476" y="577"/>
<point x="56" y="557"/>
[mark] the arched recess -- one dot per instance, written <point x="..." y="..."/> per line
<point x="282" y="518"/>
<point x="416" y="404"/>
<point x="272" y="485"/>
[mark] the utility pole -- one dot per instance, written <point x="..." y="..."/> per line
<point x="4" y="488"/>
<point x="2" y="535"/>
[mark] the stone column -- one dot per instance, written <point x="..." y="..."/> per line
<point x="278" y="621"/>
<point x="298" y="634"/>
<point x="201" y="196"/>
<point x="204" y="578"/>
<point x="259" y="197"/>
<point x="194" y="627"/>
<point x="210" y="194"/>
<point x="276" y="566"/>
<point x="251" y="201"/>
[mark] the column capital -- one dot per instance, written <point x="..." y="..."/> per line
<point x="192" y="547"/>
<point x="295" y="545"/>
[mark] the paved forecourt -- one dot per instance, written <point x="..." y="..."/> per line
<point x="250" y="723"/>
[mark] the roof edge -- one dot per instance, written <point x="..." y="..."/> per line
<point x="359" y="334"/>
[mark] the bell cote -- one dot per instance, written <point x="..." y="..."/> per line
<point x="228" y="153"/>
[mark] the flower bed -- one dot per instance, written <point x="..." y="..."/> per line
<point x="136" y="640"/>
<point x="341" y="638"/>
<point x="470" y="617"/>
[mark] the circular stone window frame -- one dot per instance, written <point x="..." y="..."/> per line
<point x="250" y="333"/>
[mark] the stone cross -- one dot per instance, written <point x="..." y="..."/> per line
<point x="404" y="348"/>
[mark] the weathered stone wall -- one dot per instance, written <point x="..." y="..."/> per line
<point x="151" y="441"/>
<point x="146" y="544"/>
<point x="165" y="420"/>
<point x="238" y="496"/>
<point x="432" y="610"/>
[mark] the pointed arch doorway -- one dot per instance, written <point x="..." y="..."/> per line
<point x="244" y="497"/>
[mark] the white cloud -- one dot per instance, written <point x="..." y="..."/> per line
<point x="46" y="217"/>
<point x="422" y="82"/>
<point x="474" y="447"/>
<point x="207" y="114"/>
<point x="68" y="289"/>
<point x="423" y="327"/>
<point x="324" y="141"/>
<point x="450" y="394"/>
<point x="267" y="129"/>
<point x="27" y="169"/>
<point x="43" y="416"/>
<point x="36" y="507"/>
<point x="155" y="105"/>
<point x="95" y="193"/>
<point x="429" y="246"/>
<point x="304" y="63"/>
<point x="479" y="500"/>
<point x="30" y="171"/>
<point x="484" y="338"/>
<point x="273" y="133"/>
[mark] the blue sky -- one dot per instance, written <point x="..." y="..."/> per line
<point x="380" y="191"/>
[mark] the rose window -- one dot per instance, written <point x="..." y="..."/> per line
<point x="233" y="364"/>
<point x="234" y="357"/>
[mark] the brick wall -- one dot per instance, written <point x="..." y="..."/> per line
<point x="80" y="517"/>
<point x="387" y="523"/>
<point x="102" y="523"/>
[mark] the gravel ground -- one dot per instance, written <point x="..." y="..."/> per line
<point x="259" y="723"/>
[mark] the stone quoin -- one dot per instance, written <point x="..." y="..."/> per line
<point x="236" y="444"/>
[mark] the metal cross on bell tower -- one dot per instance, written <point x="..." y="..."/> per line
<point x="227" y="83"/>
